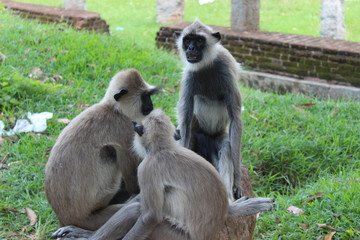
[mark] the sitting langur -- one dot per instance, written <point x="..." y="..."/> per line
<point x="93" y="154"/>
<point x="182" y="196"/>
<point x="210" y="104"/>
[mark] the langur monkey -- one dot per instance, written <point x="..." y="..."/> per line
<point x="182" y="196"/>
<point x="93" y="154"/>
<point x="210" y="104"/>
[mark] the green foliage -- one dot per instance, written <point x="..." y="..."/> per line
<point x="287" y="146"/>
<point x="337" y="206"/>
<point x="288" y="16"/>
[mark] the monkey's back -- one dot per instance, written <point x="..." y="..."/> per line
<point x="70" y="171"/>
<point x="193" y="191"/>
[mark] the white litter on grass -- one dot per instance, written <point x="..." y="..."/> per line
<point x="2" y="126"/>
<point x="38" y="124"/>
<point x="38" y="120"/>
<point x="202" y="2"/>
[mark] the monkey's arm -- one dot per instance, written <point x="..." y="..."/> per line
<point x="185" y="112"/>
<point x="152" y="199"/>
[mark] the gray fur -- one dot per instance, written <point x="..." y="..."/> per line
<point x="182" y="195"/>
<point x="210" y="96"/>
<point x="92" y="155"/>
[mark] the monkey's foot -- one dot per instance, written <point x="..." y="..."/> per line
<point x="71" y="232"/>
<point x="237" y="192"/>
<point x="247" y="206"/>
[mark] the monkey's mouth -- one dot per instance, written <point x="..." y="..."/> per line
<point x="192" y="59"/>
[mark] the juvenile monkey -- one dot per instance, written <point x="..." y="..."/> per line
<point x="92" y="155"/>
<point x="210" y="104"/>
<point x="182" y="196"/>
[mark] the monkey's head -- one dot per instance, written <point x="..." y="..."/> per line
<point x="154" y="133"/>
<point x="130" y="94"/>
<point x="197" y="43"/>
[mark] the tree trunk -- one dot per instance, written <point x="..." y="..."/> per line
<point x="241" y="228"/>
<point x="245" y="15"/>
<point x="169" y="11"/>
<point x="332" y="19"/>
<point x="75" y="4"/>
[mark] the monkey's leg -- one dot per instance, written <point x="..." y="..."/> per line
<point x="164" y="231"/>
<point x="119" y="224"/>
<point x="71" y="232"/>
<point x="226" y="168"/>
<point x="76" y="232"/>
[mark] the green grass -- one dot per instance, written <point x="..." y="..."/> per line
<point x="291" y="153"/>
<point x="137" y="17"/>
<point x="340" y="196"/>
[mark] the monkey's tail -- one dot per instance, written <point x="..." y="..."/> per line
<point x="247" y="206"/>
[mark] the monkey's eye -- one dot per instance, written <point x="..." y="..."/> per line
<point x="186" y="40"/>
<point x="200" y="40"/>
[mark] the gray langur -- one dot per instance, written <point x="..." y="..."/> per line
<point x="209" y="107"/>
<point x="93" y="155"/>
<point x="182" y="196"/>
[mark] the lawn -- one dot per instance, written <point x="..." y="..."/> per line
<point x="296" y="147"/>
<point x="137" y="17"/>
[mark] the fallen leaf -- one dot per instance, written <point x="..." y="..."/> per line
<point x="303" y="106"/>
<point x="7" y="155"/>
<point x="321" y="225"/>
<point x="164" y="80"/>
<point x="253" y="117"/>
<point x="335" y="112"/>
<point x="3" y="57"/>
<point x="9" y="209"/>
<point x="304" y="226"/>
<point x="1" y="141"/>
<point x="306" y="105"/>
<point x="315" y="196"/>
<point x="63" y="120"/>
<point x="57" y="77"/>
<point x="31" y="216"/>
<point x="170" y="90"/>
<point x="23" y="228"/>
<point x="253" y="152"/>
<point x="36" y="72"/>
<point x="329" y="236"/>
<point x="15" y="162"/>
<point x="294" y="210"/>
<point x="298" y="108"/>
<point x="338" y="216"/>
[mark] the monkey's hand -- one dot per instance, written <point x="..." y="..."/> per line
<point x="71" y="232"/>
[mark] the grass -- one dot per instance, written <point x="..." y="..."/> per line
<point x="298" y="17"/>
<point x="293" y="150"/>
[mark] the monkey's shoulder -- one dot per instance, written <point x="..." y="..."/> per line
<point x="97" y="125"/>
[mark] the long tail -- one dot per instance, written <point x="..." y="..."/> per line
<point x="247" y="206"/>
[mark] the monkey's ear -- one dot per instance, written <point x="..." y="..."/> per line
<point x="138" y="128"/>
<point x="177" y="34"/>
<point x="120" y="93"/>
<point x="216" y="35"/>
<point x="156" y="90"/>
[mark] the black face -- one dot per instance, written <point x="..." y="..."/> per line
<point x="193" y="46"/>
<point x="147" y="105"/>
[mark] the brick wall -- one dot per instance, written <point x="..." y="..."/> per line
<point x="322" y="59"/>
<point x="79" y="19"/>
